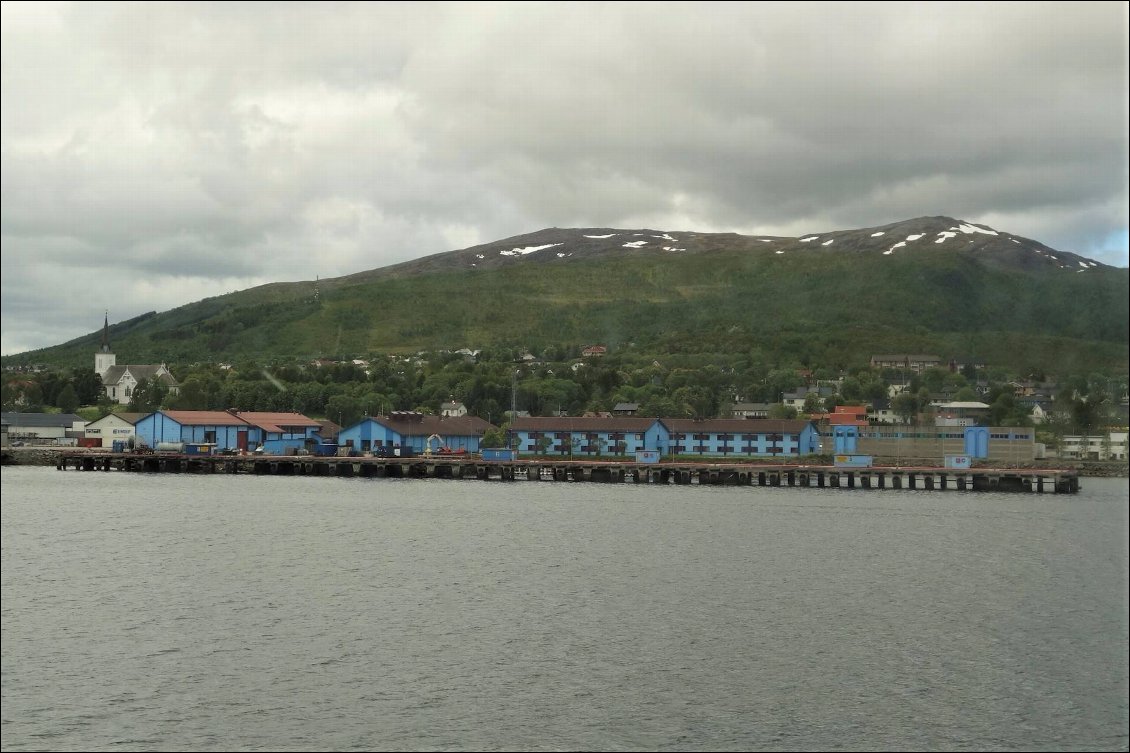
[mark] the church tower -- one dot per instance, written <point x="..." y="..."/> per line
<point x="104" y="358"/>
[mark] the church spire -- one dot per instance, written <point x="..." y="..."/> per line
<point x="106" y="333"/>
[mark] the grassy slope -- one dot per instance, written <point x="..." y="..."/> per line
<point x="839" y="307"/>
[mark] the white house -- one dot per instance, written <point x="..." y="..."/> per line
<point x="453" y="409"/>
<point x="1109" y="446"/>
<point x="115" y="426"/>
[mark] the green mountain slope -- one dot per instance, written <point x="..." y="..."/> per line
<point x="838" y="304"/>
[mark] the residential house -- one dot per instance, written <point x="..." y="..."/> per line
<point x="591" y="351"/>
<point x="845" y="415"/>
<point x="746" y="410"/>
<point x="625" y="409"/>
<point x="914" y="363"/>
<point x="880" y="411"/>
<point x="1039" y="407"/>
<point x="453" y="409"/>
<point x="963" y="362"/>
<point x="961" y="413"/>
<point x="797" y="399"/>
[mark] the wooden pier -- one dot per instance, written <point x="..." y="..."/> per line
<point x="1060" y="481"/>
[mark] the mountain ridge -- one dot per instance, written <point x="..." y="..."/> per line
<point x="555" y="244"/>
<point x="911" y="285"/>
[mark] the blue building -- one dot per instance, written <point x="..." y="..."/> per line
<point x="228" y="430"/>
<point x="225" y="430"/>
<point x="278" y="433"/>
<point x="746" y="437"/>
<point x="586" y="436"/>
<point x="624" y="435"/>
<point x="414" y="433"/>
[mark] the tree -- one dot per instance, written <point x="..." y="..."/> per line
<point x="493" y="437"/>
<point x="780" y="410"/>
<point x="147" y="396"/>
<point x="67" y="401"/>
<point x="966" y="395"/>
<point x="344" y="409"/>
<point x="905" y="405"/>
<point x="813" y="403"/>
<point x="88" y="386"/>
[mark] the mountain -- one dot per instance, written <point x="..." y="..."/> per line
<point x="918" y="236"/>
<point x="931" y="284"/>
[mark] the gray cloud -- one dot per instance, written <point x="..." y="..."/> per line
<point x="155" y="154"/>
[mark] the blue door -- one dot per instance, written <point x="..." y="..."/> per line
<point x="977" y="441"/>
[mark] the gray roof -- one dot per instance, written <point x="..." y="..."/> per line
<point x="129" y="418"/>
<point x="140" y="372"/>
<point x="41" y="419"/>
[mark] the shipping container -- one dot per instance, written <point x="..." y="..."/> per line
<point x="853" y="461"/>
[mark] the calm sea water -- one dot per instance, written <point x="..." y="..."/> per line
<point x="153" y="612"/>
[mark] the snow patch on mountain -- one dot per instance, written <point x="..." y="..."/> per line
<point x="527" y="250"/>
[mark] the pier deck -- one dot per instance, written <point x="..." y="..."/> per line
<point x="1061" y="481"/>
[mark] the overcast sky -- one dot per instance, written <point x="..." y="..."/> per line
<point x="158" y="154"/>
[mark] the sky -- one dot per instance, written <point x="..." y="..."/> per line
<point x="157" y="154"/>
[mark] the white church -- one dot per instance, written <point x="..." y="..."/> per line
<point x="120" y="381"/>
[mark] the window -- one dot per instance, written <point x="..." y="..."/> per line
<point x="210" y="437"/>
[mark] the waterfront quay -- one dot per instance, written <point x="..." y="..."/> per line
<point x="1060" y="481"/>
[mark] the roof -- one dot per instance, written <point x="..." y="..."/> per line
<point x="678" y="425"/>
<point x="129" y="418"/>
<point x="906" y="357"/>
<point x="820" y="391"/>
<point x="273" y="422"/>
<point x="626" y="406"/>
<point x="204" y="418"/>
<point x="422" y="425"/>
<point x="329" y="430"/>
<point x="40" y="419"/>
<point x="966" y="405"/>
<point x="632" y="424"/>
<point x="736" y="425"/>
<point x="750" y="406"/>
<point x="140" y="372"/>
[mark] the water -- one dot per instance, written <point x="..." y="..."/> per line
<point x="156" y="612"/>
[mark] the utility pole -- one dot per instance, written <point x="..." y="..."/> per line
<point x="513" y="407"/>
